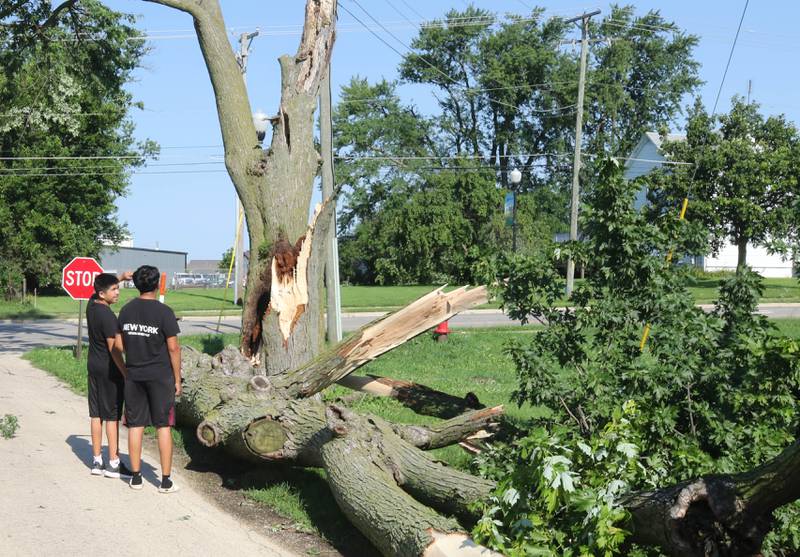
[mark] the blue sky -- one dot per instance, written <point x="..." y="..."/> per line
<point x="185" y="201"/>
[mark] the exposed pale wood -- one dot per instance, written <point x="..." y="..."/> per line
<point x="379" y="337"/>
<point x="456" y="545"/>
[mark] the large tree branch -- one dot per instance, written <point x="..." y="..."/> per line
<point x="717" y="514"/>
<point x="420" y="398"/>
<point x="378" y="337"/>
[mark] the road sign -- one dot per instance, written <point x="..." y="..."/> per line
<point x="77" y="278"/>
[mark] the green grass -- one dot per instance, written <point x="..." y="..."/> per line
<point x="187" y="301"/>
<point x="786" y="290"/>
<point x="208" y="301"/>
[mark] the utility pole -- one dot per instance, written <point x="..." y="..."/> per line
<point x="238" y="250"/>
<point x="576" y="165"/>
<point x="334" y="306"/>
<point x="749" y="89"/>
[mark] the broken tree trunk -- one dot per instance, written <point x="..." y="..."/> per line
<point x="717" y="514"/>
<point x="261" y="404"/>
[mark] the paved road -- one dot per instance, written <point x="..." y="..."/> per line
<point x="51" y="505"/>
<point x="20" y="336"/>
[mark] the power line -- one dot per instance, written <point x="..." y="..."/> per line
<point x="407" y="5"/>
<point x="730" y="57"/>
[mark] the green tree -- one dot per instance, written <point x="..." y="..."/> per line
<point x="506" y="97"/>
<point x="64" y="68"/>
<point x="225" y="262"/>
<point x="742" y="180"/>
<point x="714" y="395"/>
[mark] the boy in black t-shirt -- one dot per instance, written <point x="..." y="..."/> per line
<point x="153" y="357"/>
<point x="106" y="370"/>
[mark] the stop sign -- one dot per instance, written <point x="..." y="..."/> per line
<point x="77" y="278"/>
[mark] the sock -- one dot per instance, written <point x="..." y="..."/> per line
<point x="114" y="463"/>
<point x="98" y="459"/>
<point x="166" y="482"/>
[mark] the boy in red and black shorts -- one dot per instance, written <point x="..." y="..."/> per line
<point x="153" y="358"/>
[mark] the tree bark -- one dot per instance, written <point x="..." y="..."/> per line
<point x="384" y="483"/>
<point x="717" y="514"/>
<point x="741" y="260"/>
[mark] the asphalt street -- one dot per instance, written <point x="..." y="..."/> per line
<point x="20" y="336"/>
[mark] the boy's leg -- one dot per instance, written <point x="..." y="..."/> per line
<point x="135" y="435"/>
<point x="137" y="414"/>
<point x="161" y="395"/>
<point x="112" y="435"/>
<point x="97" y="437"/>
<point x="165" y="449"/>
<point x="95" y="423"/>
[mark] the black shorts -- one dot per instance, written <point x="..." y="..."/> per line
<point x="148" y="402"/>
<point x="106" y="393"/>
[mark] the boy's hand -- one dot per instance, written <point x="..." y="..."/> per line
<point x="126" y="275"/>
<point x="178" y="390"/>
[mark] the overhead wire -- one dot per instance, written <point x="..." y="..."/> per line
<point x="685" y="203"/>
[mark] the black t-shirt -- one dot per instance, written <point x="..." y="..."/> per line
<point x="101" y="324"/>
<point x="145" y="326"/>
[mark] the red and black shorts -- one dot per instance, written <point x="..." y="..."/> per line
<point x="106" y="393"/>
<point x="148" y="402"/>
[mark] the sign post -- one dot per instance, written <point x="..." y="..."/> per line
<point x="77" y="279"/>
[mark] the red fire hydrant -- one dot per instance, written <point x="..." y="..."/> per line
<point x="441" y="332"/>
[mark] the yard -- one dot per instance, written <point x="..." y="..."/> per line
<point x="209" y="301"/>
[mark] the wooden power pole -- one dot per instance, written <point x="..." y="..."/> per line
<point x="238" y="250"/>
<point x="334" y="306"/>
<point x="576" y="165"/>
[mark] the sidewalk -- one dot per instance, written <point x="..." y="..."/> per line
<point x="51" y="505"/>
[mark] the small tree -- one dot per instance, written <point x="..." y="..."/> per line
<point x="743" y="178"/>
<point x="225" y="262"/>
<point x="709" y="395"/>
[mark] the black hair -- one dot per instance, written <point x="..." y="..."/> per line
<point x="103" y="282"/>
<point x="146" y="278"/>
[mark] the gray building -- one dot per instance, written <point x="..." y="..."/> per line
<point x="115" y="259"/>
<point x="203" y="266"/>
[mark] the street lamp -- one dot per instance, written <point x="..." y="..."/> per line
<point x="516" y="177"/>
<point x="260" y="121"/>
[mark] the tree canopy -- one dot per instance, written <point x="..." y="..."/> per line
<point x="65" y="136"/>
<point x="710" y="393"/>
<point x="742" y="180"/>
<point x="505" y="95"/>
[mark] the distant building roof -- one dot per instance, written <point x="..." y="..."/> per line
<point x="116" y="248"/>
<point x="196" y="265"/>
<point x="655" y="137"/>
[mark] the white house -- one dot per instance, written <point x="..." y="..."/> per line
<point x="645" y="157"/>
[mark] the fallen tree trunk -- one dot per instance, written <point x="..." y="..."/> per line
<point x="252" y="417"/>
<point x="717" y="514"/>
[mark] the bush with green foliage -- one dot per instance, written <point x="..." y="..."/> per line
<point x="716" y="392"/>
<point x="9" y="426"/>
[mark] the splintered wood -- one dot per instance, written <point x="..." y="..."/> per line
<point x="289" y="293"/>
<point x="415" y="318"/>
